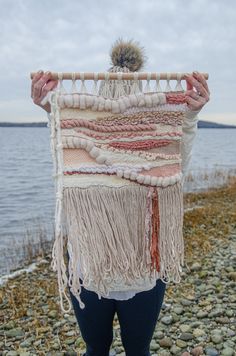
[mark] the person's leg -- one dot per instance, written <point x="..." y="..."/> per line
<point x="95" y="321"/>
<point x="137" y="317"/>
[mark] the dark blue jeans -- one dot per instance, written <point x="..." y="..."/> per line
<point x="137" y="318"/>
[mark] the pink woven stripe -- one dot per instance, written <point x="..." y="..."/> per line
<point x="126" y="134"/>
<point x="67" y="124"/>
<point x="172" y="98"/>
<point x="137" y="145"/>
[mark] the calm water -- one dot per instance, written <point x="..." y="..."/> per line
<point x="27" y="188"/>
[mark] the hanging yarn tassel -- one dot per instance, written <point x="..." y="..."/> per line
<point x="83" y="89"/>
<point x="95" y="84"/>
<point x="147" y="88"/>
<point x="178" y="86"/>
<point x="158" y="87"/>
<point x="74" y="89"/>
<point x="61" y="87"/>
<point x="168" y="87"/>
<point x="155" y="232"/>
<point x="136" y="86"/>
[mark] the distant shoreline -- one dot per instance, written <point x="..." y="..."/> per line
<point x="201" y="124"/>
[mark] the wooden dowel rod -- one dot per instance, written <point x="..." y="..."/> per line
<point x="115" y="76"/>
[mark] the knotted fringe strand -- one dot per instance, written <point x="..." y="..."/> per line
<point x="171" y="242"/>
<point x="155" y="232"/>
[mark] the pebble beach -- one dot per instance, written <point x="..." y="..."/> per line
<point x="197" y="316"/>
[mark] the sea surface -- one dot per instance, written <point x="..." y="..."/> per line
<point x="27" y="196"/>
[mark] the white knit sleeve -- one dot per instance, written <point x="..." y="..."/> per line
<point x="189" y="132"/>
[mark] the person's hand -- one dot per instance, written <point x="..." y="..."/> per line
<point x="197" y="98"/>
<point x="41" y="84"/>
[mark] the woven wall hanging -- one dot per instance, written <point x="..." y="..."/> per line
<point x="117" y="170"/>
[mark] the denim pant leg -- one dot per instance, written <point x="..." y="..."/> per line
<point x="95" y="321"/>
<point x="138" y="317"/>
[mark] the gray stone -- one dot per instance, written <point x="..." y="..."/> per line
<point x="186" y="302"/>
<point x="230" y="333"/>
<point x="55" y="346"/>
<point x="154" y="346"/>
<point x="176" y="318"/>
<point x="210" y="351"/>
<point x="227" y="352"/>
<point x="159" y="334"/>
<point x="10" y="325"/>
<point x="185" y="328"/>
<point x="198" y="332"/>
<point x="26" y="343"/>
<point x="175" y="350"/>
<point x="229" y="313"/>
<point x="228" y="343"/>
<point x="164" y="353"/>
<point x="181" y="343"/>
<point x="186" y="336"/>
<point x="222" y="320"/>
<point x="202" y="314"/>
<point x="216" y="338"/>
<point x="215" y="312"/>
<point x="167" y="320"/>
<point x="178" y="310"/>
<point x="15" y="332"/>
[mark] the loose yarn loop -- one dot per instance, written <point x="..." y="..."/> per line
<point x="125" y="232"/>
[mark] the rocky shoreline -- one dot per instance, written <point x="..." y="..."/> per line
<point x="197" y="316"/>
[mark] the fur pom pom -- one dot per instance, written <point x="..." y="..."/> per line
<point x="127" y="54"/>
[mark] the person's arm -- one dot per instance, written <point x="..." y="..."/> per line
<point x="189" y="129"/>
<point x="197" y="95"/>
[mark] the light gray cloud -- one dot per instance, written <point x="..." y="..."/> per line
<point x="178" y="35"/>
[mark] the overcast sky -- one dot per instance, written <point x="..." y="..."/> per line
<point x="76" y="35"/>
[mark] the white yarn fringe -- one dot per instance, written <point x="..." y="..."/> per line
<point x="108" y="237"/>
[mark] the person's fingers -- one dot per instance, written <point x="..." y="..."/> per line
<point x="37" y="88"/>
<point x="36" y="77"/>
<point x="197" y="101"/>
<point x="198" y="86"/>
<point x="189" y="85"/>
<point x="51" y="84"/>
<point x="193" y="104"/>
<point x="202" y="80"/>
<point x="193" y="94"/>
